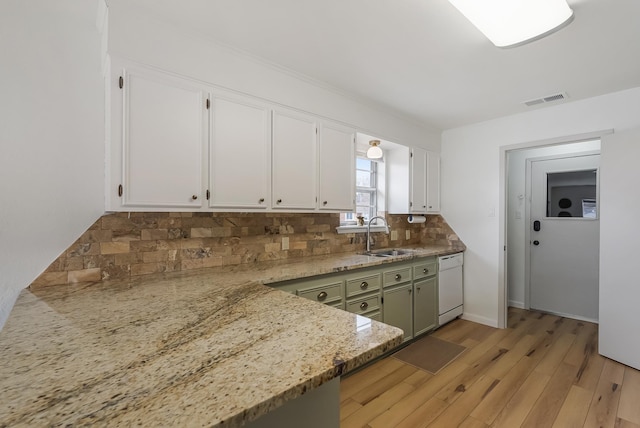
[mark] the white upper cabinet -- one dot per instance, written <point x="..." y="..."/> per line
<point x="413" y="181"/>
<point x="433" y="182"/>
<point x="294" y="148"/>
<point x="418" y="181"/>
<point x="336" y="168"/>
<point x="239" y="166"/>
<point x="164" y="132"/>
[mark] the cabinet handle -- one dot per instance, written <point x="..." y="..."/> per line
<point x="261" y="200"/>
<point x="324" y="203"/>
<point x="425" y="270"/>
<point x="364" y="285"/>
<point x="364" y="305"/>
<point x="279" y="201"/>
<point x="322" y="295"/>
<point x="398" y="277"/>
<point x="194" y="197"/>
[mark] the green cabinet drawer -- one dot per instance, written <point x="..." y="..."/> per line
<point x="396" y="276"/>
<point x="425" y="270"/>
<point x="364" y="305"/>
<point x="327" y="293"/>
<point x="363" y="284"/>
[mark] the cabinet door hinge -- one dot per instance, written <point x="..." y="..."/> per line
<point x="411" y="154"/>
<point x="208" y="194"/>
<point x="316" y="130"/>
<point x="120" y="190"/>
<point x="208" y="103"/>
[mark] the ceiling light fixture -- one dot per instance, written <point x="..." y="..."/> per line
<point x="510" y="23"/>
<point x="374" y="152"/>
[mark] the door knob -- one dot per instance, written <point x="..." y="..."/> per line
<point x="536" y="242"/>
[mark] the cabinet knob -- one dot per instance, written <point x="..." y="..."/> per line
<point x="261" y="200"/>
<point x="418" y="288"/>
<point x="398" y="277"/>
<point x="410" y="290"/>
<point x="279" y="201"/>
<point x="364" y="305"/>
<point x="322" y="295"/>
<point x="194" y="197"/>
<point x="430" y="206"/>
<point x="324" y="203"/>
<point x="424" y="206"/>
<point x="364" y="285"/>
<point x="425" y="270"/>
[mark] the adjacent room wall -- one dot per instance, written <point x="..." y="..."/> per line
<point x="51" y="144"/>
<point x="471" y="184"/>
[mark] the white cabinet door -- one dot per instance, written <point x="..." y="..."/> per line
<point x="239" y="166"/>
<point x="418" y="182"/>
<point x="293" y="160"/>
<point x="337" y="168"/>
<point x="433" y="182"/>
<point x="165" y="132"/>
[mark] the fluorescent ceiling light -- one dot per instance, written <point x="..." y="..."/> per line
<point x="509" y="23"/>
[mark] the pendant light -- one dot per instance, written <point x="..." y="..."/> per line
<point x="510" y="23"/>
<point x="374" y="152"/>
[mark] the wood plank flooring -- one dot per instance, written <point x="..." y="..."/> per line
<point x="542" y="371"/>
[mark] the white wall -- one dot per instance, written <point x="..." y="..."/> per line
<point x="153" y="43"/>
<point x="516" y="227"/>
<point x="51" y="143"/>
<point x="471" y="183"/>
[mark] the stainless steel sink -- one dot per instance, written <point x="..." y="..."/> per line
<point x="388" y="253"/>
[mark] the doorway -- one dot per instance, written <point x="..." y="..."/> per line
<point x="517" y="224"/>
<point x="564" y="235"/>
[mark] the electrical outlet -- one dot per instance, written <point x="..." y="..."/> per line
<point x="407" y="235"/>
<point x="285" y="242"/>
<point x="394" y="235"/>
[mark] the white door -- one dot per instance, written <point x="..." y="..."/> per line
<point x="564" y="236"/>
<point x="337" y="168"/>
<point x="294" y="160"/>
<point x="240" y="153"/>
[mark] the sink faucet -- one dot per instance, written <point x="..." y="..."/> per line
<point x="386" y="229"/>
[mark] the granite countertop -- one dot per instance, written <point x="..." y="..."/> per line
<point x="210" y="347"/>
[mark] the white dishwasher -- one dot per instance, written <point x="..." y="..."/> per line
<point x="450" y="295"/>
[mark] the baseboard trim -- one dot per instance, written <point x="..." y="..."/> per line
<point x="480" y="319"/>
<point x="516" y="304"/>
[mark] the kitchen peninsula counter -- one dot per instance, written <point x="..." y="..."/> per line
<point x="212" y="347"/>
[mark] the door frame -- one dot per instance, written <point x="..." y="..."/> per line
<point x="527" y="210"/>
<point x="502" y="219"/>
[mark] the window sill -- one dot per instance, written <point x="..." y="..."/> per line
<point x="359" y="229"/>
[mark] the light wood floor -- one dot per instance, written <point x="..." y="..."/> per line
<point x="542" y="371"/>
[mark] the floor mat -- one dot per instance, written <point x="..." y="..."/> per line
<point x="430" y="354"/>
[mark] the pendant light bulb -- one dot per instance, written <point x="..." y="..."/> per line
<point x="374" y="152"/>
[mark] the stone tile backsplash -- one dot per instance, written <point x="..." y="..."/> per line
<point x="122" y="245"/>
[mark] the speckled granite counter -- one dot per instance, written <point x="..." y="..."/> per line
<point x="209" y="348"/>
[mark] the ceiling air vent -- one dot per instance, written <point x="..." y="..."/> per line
<point x="548" y="99"/>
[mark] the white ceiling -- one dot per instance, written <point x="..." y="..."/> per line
<point x="422" y="58"/>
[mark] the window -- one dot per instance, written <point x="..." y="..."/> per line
<point x="366" y="192"/>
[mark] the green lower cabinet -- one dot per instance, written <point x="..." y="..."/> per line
<point x="398" y="308"/>
<point x="425" y="305"/>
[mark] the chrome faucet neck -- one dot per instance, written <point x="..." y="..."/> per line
<point x="386" y="228"/>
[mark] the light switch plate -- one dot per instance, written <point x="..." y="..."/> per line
<point x="285" y="242"/>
